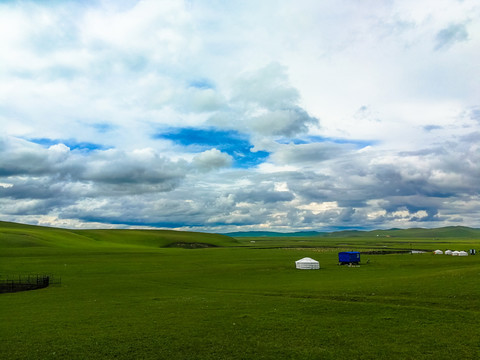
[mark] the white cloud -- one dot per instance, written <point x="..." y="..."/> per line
<point x="212" y="159"/>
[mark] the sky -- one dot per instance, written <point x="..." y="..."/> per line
<point x="223" y="116"/>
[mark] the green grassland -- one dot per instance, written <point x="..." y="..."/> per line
<point x="131" y="294"/>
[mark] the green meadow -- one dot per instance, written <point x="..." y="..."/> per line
<point x="138" y="294"/>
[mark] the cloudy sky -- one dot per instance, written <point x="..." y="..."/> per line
<point x="240" y="115"/>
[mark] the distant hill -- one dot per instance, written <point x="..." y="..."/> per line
<point x="443" y="232"/>
<point x="273" y="234"/>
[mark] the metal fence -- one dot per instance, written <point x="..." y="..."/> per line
<point x="9" y="283"/>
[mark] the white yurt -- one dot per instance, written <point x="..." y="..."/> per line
<point x="455" y="253"/>
<point x="438" y="252"/>
<point x="462" y="253"/>
<point x="448" y="252"/>
<point x="307" y="263"/>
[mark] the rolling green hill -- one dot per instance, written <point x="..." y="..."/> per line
<point x="158" y="238"/>
<point x="13" y="235"/>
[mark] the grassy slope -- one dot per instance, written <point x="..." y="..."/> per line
<point x="156" y="238"/>
<point x="20" y="236"/>
<point x="25" y="236"/>
<point x="118" y="300"/>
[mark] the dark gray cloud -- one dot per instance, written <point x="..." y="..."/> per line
<point x="120" y="168"/>
<point x="150" y="210"/>
<point x="113" y="167"/>
<point x="310" y="153"/>
<point x="35" y="188"/>
<point x="22" y="158"/>
<point x="262" y="193"/>
<point x="33" y="174"/>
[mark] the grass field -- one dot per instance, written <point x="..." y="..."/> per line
<point x="141" y="295"/>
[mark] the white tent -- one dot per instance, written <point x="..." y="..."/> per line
<point x="455" y="253"/>
<point x="462" y="253"/>
<point x="448" y="252"/>
<point x="438" y="252"/>
<point x="307" y="263"/>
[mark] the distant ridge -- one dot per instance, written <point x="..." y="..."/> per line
<point x="273" y="234"/>
<point x="442" y="232"/>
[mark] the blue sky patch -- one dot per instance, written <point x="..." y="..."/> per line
<point x="103" y="127"/>
<point x="321" y="139"/>
<point x="231" y="142"/>
<point x="202" y="84"/>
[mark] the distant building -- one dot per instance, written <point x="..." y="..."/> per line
<point x="307" y="264"/>
<point x="348" y="257"/>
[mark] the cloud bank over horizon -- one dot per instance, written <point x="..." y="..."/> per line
<point x="199" y="115"/>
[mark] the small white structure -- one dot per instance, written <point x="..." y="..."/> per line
<point x="438" y="252"/>
<point x="307" y="264"/>
<point x="448" y="252"/>
<point x="455" y="253"/>
<point x="462" y="253"/>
